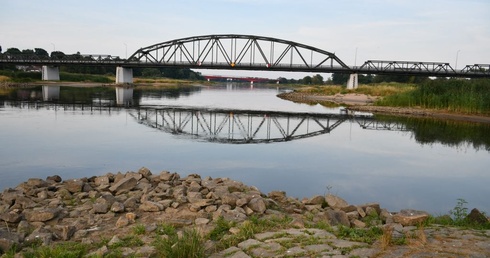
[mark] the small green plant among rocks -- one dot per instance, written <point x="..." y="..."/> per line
<point x="189" y="244"/>
<point x="459" y="212"/>
<point x="459" y="216"/>
<point x="139" y="229"/>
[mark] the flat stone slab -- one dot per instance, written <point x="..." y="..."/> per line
<point x="319" y="233"/>
<point x="266" y="235"/>
<point x="318" y="248"/>
<point x="232" y="252"/>
<point x="339" y="243"/>
<point x="294" y="251"/>
<point x="249" y="243"/>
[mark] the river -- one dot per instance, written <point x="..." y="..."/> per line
<point x="257" y="138"/>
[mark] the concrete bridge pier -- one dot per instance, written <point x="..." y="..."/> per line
<point x="352" y="83"/>
<point x="124" y="75"/>
<point x="50" y="73"/>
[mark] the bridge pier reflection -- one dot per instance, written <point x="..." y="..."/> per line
<point x="51" y="93"/>
<point x="124" y="96"/>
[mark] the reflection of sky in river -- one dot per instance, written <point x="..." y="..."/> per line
<point x="243" y="98"/>
<point x="358" y="165"/>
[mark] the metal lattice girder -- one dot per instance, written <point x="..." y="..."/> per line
<point x="476" y="69"/>
<point x="239" y="52"/>
<point x="406" y="67"/>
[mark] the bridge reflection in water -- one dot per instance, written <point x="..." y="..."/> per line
<point x="242" y="126"/>
<point x="225" y="125"/>
<point x="214" y="125"/>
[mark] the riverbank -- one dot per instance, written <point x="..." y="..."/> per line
<point x="364" y="103"/>
<point x="154" y="215"/>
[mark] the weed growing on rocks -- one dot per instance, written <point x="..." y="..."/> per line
<point x="369" y="235"/>
<point x="189" y="244"/>
<point x="459" y="212"/>
<point x="139" y="229"/>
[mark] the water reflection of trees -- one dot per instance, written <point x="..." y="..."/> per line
<point x="428" y="131"/>
<point x="167" y="92"/>
<point x="79" y="95"/>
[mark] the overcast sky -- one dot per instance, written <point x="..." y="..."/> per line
<point x="409" y="30"/>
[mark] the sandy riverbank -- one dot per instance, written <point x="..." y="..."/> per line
<point x="364" y="103"/>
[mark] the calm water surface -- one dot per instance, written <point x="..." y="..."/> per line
<point x="424" y="164"/>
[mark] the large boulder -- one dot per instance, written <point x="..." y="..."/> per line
<point x="257" y="205"/>
<point x="8" y="240"/>
<point x="337" y="217"/>
<point x="316" y="200"/>
<point x="410" y="217"/>
<point x="11" y="217"/>
<point x="124" y="185"/>
<point x="476" y="217"/>
<point x="41" y="215"/>
<point x="335" y="202"/>
<point x="73" y="185"/>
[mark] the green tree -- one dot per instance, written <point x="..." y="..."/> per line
<point x="57" y="55"/>
<point x="13" y="51"/>
<point x="317" y="79"/>
<point x="282" y="80"/>
<point x="28" y="52"/>
<point x="151" y="72"/>
<point x="41" y="52"/>
<point x="365" y="79"/>
<point x="340" y="78"/>
<point x="307" y="80"/>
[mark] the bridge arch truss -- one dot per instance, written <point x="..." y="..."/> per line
<point x="245" y="52"/>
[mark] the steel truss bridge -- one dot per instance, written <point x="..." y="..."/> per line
<point x="249" y="52"/>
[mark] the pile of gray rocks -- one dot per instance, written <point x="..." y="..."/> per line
<point x="89" y="209"/>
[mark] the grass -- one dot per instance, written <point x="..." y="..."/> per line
<point x="189" y="244"/>
<point x="246" y="229"/>
<point x="60" y="250"/>
<point x="455" y="95"/>
<point x="458" y="217"/>
<point x="139" y="229"/>
<point x="368" y="235"/>
<point x="380" y="89"/>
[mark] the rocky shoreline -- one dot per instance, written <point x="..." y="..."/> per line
<point x="89" y="210"/>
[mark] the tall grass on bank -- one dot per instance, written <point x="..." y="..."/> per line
<point x="455" y="95"/>
<point x="379" y="89"/>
